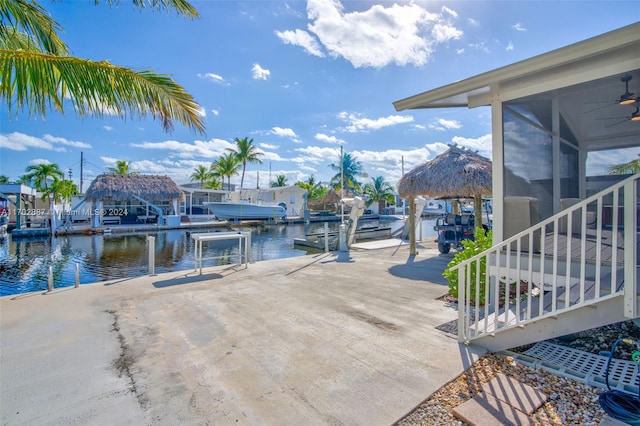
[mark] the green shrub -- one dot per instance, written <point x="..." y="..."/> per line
<point x="480" y="243"/>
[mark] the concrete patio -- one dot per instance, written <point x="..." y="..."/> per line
<point x="320" y="339"/>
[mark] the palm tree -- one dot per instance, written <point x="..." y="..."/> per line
<point x="631" y="167"/>
<point x="201" y="174"/>
<point x="314" y="189"/>
<point x="246" y="152"/>
<point x="352" y="168"/>
<point x="40" y="174"/>
<point x="4" y="179"/>
<point x="226" y="166"/>
<point x="213" y="183"/>
<point x="122" y="168"/>
<point x="63" y="190"/>
<point x="379" y="191"/>
<point x="38" y="73"/>
<point x="281" y="180"/>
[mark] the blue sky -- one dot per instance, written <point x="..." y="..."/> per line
<point x="302" y="78"/>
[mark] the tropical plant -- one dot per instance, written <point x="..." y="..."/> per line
<point x="315" y="190"/>
<point x="481" y="242"/>
<point x="246" y="152"/>
<point x="122" y="168"/>
<point x="201" y="174"/>
<point x="63" y="190"/>
<point x="226" y="166"/>
<point x="348" y="172"/>
<point x="631" y="167"/>
<point x="281" y="180"/>
<point x="213" y="183"/>
<point x="379" y="191"/>
<point x="4" y="179"/>
<point x="40" y="175"/>
<point x="38" y="73"/>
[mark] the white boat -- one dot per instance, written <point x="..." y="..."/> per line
<point x="244" y="210"/>
<point x="435" y="207"/>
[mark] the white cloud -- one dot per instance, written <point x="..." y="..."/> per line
<point x="482" y="144"/>
<point x="329" y="139"/>
<point x="460" y="51"/>
<point x="355" y="123"/>
<point x="401" y="34"/>
<point x="519" y="27"/>
<point x="267" y="145"/>
<point x="20" y="142"/>
<point x="443" y="32"/>
<point x="303" y="39"/>
<point x="509" y="46"/>
<point x="259" y="73"/>
<point x="473" y="22"/>
<point x="66" y="142"/>
<point x="285" y="133"/>
<point x="38" y="161"/>
<point x="215" y="112"/>
<point x="108" y="128"/>
<point x="482" y="46"/>
<point x="451" y="12"/>
<point x="213" y="77"/>
<point x="208" y="149"/>
<point x="443" y="124"/>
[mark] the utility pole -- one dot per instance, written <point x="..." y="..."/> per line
<point x="81" y="169"/>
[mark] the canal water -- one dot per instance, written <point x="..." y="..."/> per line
<point x="25" y="263"/>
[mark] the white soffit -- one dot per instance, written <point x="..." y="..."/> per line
<point x="601" y="56"/>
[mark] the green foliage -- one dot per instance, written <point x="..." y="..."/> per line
<point x="379" y="191"/>
<point x="479" y="244"/>
<point x="281" y="180"/>
<point x="38" y="74"/>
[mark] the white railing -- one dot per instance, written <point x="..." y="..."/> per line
<point x="585" y="254"/>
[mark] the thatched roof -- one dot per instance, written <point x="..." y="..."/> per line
<point x="121" y="187"/>
<point x="454" y="173"/>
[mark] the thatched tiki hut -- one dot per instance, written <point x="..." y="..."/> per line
<point x="457" y="173"/>
<point x="112" y="193"/>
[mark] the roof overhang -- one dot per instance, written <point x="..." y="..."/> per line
<point x="608" y="54"/>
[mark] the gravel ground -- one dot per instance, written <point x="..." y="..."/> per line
<point x="569" y="403"/>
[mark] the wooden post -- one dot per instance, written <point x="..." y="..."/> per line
<point x="412" y="226"/>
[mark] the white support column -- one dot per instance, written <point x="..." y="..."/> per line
<point x="555" y="144"/>
<point x="497" y="142"/>
<point x="631" y="309"/>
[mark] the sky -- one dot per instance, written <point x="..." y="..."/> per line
<point x="303" y="79"/>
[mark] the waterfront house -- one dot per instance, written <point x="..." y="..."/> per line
<point x="134" y="198"/>
<point x="565" y="255"/>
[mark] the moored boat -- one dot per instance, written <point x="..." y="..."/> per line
<point x="242" y="210"/>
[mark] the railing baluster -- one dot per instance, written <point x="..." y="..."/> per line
<point x="599" y="244"/>
<point x="614" y="240"/>
<point x="583" y="253"/>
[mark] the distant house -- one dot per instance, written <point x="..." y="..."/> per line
<point x="135" y="198"/>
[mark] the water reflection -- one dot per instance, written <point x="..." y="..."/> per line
<point x="24" y="263"/>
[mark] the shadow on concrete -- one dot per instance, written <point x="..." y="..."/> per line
<point x="187" y="280"/>
<point x="430" y="269"/>
<point x="316" y="258"/>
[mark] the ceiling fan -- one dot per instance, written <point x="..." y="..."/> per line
<point x="635" y="116"/>
<point x="627" y="98"/>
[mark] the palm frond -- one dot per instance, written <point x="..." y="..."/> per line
<point x="23" y="16"/>
<point x="183" y="7"/>
<point x="38" y="81"/>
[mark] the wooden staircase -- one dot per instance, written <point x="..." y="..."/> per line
<point x="547" y="281"/>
